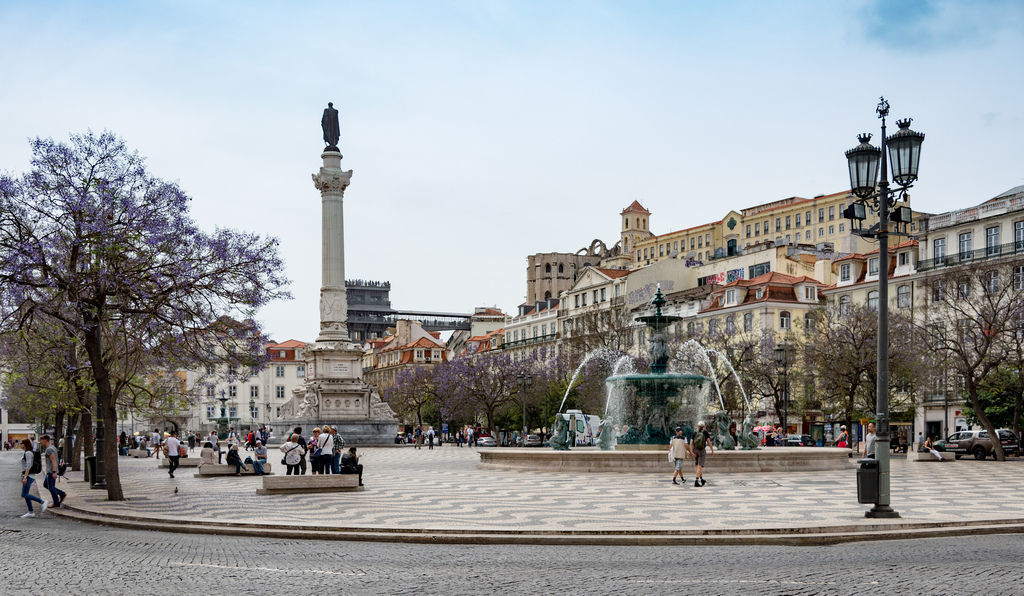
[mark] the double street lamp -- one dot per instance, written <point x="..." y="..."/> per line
<point x="524" y="381"/>
<point x="872" y="191"/>
<point x="784" y="358"/>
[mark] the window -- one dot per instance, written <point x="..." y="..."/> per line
<point x="759" y="269"/>
<point x="810" y="293"/>
<point x="831" y="212"/>
<point x="778" y="224"/>
<point x="638" y="255"/>
<point x="842" y="228"/>
<point x="963" y="288"/>
<point x="757" y="229"/>
<point x="300" y="371"/>
<point x="210" y="369"/>
<point x="844" y="272"/>
<point x="418" y="355"/>
<point x="1018" y="277"/>
<point x="748" y="230"/>
<point x="535" y="331"/>
<point x="279" y="391"/>
<point x="713" y="326"/>
<point x="788" y="239"/>
<point x="211" y="412"/>
<point x="209" y="391"/>
<point x="603" y="294"/>
<point x="254" y="391"/>
<point x="618" y="290"/>
<point x="821" y="215"/>
<point x="785" y="320"/>
<point x="547" y="268"/>
<point x="691" y="243"/>
<point x="748" y="322"/>
<point x="279" y="371"/>
<point x="992" y="282"/>
<point x="873" y="266"/>
<point x="232" y="370"/>
<point x="232" y="391"/>
<point x="707" y="239"/>
<point x="807" y="235"/>
<point x="903" y="259"/>
<point x="595" y="297"/>
<point x="577" y="297"/>
<point x="561" y="269"/>
<point x="844" y="305"/>
<point x="903" y="296"/>
<point x="821" y="232"/>
<point x="730" y="296"/>
<point x="939" y="250"/>
<point x="436" y="354"/>
<point x="583" y="299"/>
<point x="277" y="412"/>
<point x="689" y="328"/>
<point x="1018" y="235"/>
<point x="873" y="300"/>
<point x="232" y="412"/>
<point x="675" y="245"/>
<point x="661" y="250"/>
<point x="759" y="293"/>
<point x="992" y="241"/>
<point x="730" y="324"/>
<point x="254" y="412"/>
<point x="798" y="220"/>
<point x="965" y="246"/>
<point x="831" y="230"/>
<point x="700" y="241"/>
<point x="764" y="226"/>
<point x="788" y="218"/>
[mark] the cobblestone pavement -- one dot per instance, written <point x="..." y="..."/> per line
<point x="45" y="553"/>
<point x="444" y="489"/>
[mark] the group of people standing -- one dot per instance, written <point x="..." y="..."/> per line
<point x="325" y="451"/>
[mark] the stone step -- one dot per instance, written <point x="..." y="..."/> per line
<point x="310" y="483"/>
<point x="226" y="470"/>
<point x="183" y="462"/>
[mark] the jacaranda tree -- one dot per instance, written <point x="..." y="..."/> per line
<point x="90" y="238"/>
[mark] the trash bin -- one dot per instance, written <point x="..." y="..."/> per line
<point x="90" y="469"/>
<point x="867" y="481"/>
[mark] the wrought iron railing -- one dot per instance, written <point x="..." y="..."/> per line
<point x="972" y="256"/>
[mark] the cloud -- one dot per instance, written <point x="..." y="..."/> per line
<point x="936" y="25"/>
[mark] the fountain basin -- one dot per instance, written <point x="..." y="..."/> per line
<point x="593" y="461"/>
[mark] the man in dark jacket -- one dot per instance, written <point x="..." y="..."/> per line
<point x="305" y="448"/>
<point x="350" y="464"/>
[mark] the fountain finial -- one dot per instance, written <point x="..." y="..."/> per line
<point x="658" y="302"/>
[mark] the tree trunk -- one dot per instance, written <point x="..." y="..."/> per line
<point x="87" y="439"/>
<point x="58" y="427"/>
<point x="71" y="445"/>
<point x="105" y="408"/>
<point x="979" y="412"/>
<point x="1017" y="406"/>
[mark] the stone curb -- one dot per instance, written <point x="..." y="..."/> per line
<point x="779" y="537"/>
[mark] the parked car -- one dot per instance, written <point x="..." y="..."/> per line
<point x="794" y="441"/>
<point x="486" y="442"/>
<point x="977" y="443"/>
<point x="534" y="441"/>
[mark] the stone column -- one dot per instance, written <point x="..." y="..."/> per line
<point x="332" y="181"/>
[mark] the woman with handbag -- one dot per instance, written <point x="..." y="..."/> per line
<point x="293" y="453"/>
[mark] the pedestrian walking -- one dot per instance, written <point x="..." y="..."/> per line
<point x="843" y="440"/>
<point x="293" y="452"/>
<point x="678" y="448"/>
<point x="173" y="447"/>
<point x="699" y="446"/>
<point x="191" y="441"/>
<point x="418" y="438"/>
<point x="430" y="439"/>
<point x="50" y="464"/>
<point x="920" y="441"/>
<point x="155" y="442"/>
<point x="868" y="451"/>
<point x="29" y="466"/>
<point x="350" y="464"/>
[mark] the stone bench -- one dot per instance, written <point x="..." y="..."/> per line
<point x="311" y="483"/>
<point x="927" y="456"/>
<point x="137" y="453"/>
<point x="227" y="470"/>
<point x="183" y="462"/>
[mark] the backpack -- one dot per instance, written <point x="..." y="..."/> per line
<point x="37" y="463"/>
<point x="700" y="441"/>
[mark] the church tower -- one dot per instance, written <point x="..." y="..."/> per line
<point x="635" y="228"/>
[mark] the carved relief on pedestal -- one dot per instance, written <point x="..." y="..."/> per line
<point x="309" y="407"/>
<point x="380" y="410"/>
<point x="332" y="180"/>
<point x="333" y="306"/>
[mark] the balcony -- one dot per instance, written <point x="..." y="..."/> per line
<point x="529" y="341"/>
<point x="971" y="256"/>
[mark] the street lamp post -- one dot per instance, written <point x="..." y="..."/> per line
<point x="252" y="413"/>
<point x="872" y="190"/>
<point x="784" y="357"/>
<point x="524" y="381"/>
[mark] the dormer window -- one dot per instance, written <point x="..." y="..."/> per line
<point x="903" y="258"/>
<point x="844" y="272"/>
<point x="759" y="293"/>
<point x="810" y="293"/>
<point x="873" y="266"/>
<point x="730" y="297"/>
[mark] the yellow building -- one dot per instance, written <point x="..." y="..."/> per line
<point x="794" y="220"/>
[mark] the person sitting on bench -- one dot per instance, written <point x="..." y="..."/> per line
<point x="350" y="464"/>
<point x="234" y="459"/>
<point x="930" y="447"/>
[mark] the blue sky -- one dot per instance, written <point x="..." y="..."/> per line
<point x="481" y="132"/>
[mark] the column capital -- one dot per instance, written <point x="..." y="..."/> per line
<point x="331" y="180"/>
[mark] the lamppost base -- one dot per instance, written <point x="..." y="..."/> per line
<point x="101" y="485"/>
<point x="881" y="512"/>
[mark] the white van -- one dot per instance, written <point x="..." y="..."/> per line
<point x="587" y="426"/>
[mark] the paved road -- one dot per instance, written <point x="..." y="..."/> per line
<point x="46" y="553"/>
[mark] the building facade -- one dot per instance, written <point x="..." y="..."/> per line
<point x="369" y="308"/>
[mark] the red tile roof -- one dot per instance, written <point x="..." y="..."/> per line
<point x="291" y="343"/>
<point x="635" y="207"/>
<point x="613" y="273"/>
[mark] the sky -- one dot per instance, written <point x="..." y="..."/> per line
<point x="481" y="132"/>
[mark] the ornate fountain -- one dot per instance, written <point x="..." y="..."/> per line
<point x="654" y="403"/>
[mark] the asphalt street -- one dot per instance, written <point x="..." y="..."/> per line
<point x="47" y="554"/>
